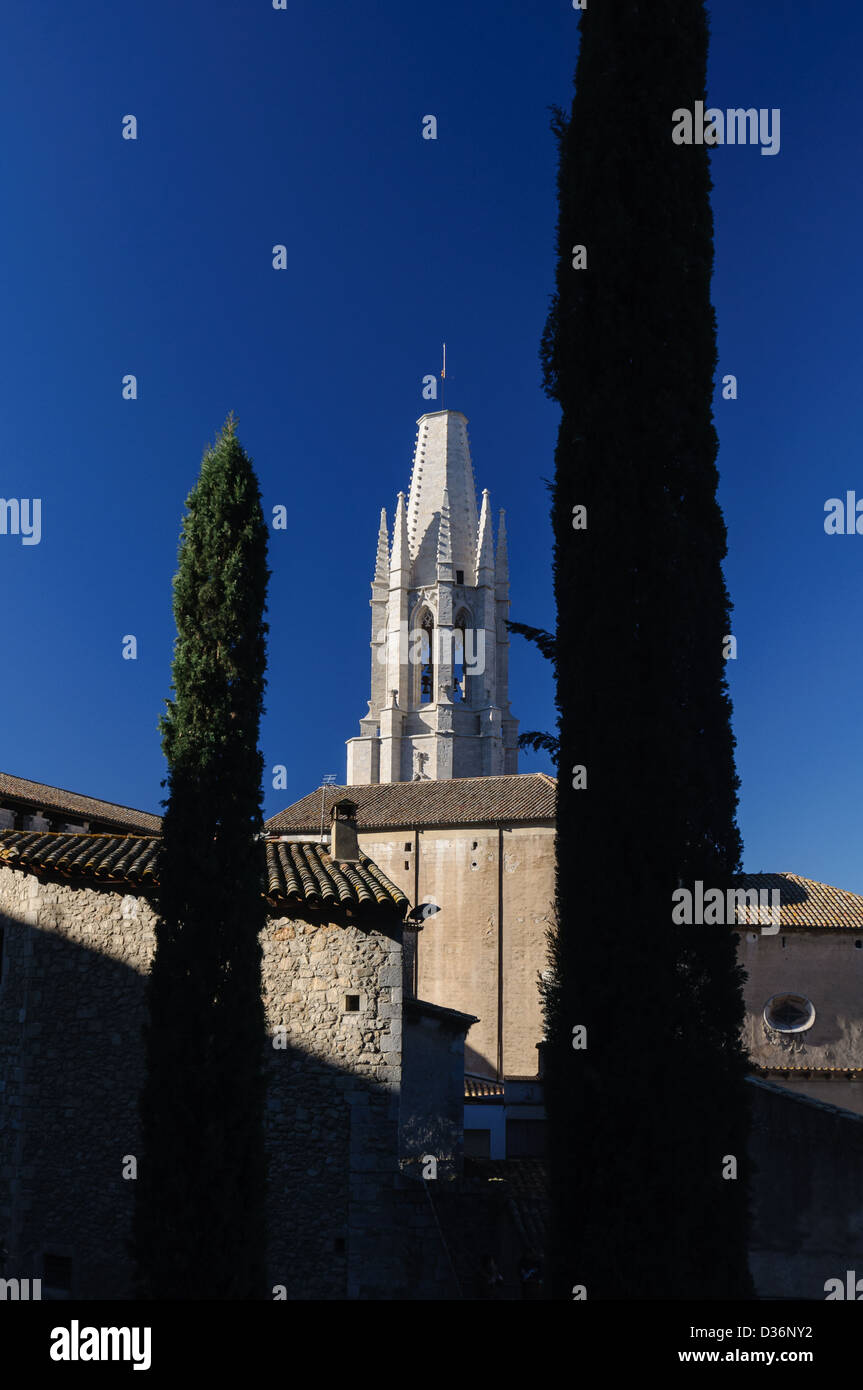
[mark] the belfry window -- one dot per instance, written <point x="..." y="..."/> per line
<point x="427" y="673"/>
<point x="460" y="653"/>
<point x="458" y="676"/>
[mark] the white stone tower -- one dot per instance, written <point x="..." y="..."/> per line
<point x="439" y="703"/>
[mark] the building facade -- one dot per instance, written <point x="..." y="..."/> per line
<point x="804" y="989"/>
<point x="477" y="853"/>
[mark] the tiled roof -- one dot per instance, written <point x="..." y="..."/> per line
<point x="296" y="873"/>
<point x="306" y="873"/>
<point x="526" y="796"/>
<point x="112" y="858"/>
<point x="481" y="1088"/>
<point x="803" y="902"/>
<point x="54" y="800"/>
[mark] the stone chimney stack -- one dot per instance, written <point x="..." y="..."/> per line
<point x="344" y="844"/>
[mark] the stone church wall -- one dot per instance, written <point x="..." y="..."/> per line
<point x="458" y="949"/>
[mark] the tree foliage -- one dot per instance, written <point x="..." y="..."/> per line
<point x="640" y="1120"/>
<point x="199" y="1220"/>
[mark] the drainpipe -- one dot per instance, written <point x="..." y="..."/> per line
<point x="416" y="959"/>
<point x="500" y="953"/>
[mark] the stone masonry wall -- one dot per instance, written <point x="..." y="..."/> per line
<point x="333" y="1098"/>
<point x="71" y="1065"/>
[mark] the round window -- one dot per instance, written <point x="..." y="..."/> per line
<point x="789" y="1013"/>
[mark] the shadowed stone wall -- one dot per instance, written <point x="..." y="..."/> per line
<point x="72" y="1007"/>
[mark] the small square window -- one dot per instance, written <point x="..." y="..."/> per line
<point x="407" y="847"/>
<point x="352" y="1003"/>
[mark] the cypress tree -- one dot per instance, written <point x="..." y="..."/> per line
<point x="643" y="1120"/>
<point x="199" y="1218"/>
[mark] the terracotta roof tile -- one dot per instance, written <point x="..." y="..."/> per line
<point x="296" y="873"/>
<point x="482" y="1087"/>
<point x="803" y="902"/>
<point x="302" y="872"/>
<point x="74" y="807"/>
<point x="113" y="858"/>
<point x="513" y="797"/>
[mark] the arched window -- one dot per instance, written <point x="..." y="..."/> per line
<point x="427" y="671"/>
<point x="459" y="670"/>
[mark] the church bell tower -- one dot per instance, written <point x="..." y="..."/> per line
<point x="439" y="702"/>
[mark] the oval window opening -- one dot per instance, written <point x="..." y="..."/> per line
<point x="789" y="1013"/>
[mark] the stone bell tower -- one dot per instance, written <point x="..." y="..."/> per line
<point x="439" y="702"/>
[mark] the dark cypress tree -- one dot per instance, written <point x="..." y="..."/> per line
<point x="199" y="1218"/>
<point x="644" y="1121"/>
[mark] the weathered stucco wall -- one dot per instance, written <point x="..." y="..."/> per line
<point x="824" y="966"/>
<point x="459" y="951"/>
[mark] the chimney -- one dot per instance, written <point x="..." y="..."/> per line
<point x="344" y="845"/>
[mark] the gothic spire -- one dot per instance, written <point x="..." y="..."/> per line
<point x="501" y="560"/>
<point x="400" y="561"/>
<point x="442" y="463"/>
<point x="382" y="561"/>
<point x="484" y="551"/>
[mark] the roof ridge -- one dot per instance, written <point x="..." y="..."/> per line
<point x="83" y="796"/>
<point x="801" y="878"/>
<point x="80" y="834"/>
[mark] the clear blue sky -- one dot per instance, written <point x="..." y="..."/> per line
<point x="302" y="127"/>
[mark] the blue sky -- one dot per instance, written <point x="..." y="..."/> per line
<point x="302" y="127"/>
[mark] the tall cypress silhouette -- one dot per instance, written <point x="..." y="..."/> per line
<point x="647" y="1108"/>
<point x="199" y="1218"/>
